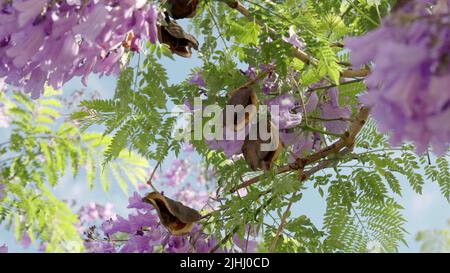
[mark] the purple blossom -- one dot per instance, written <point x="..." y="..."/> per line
<point x="146" y="234"/>
<point x="332" y="110"/>
<point x="242" y="192"/>
<point x="53" y="43"/>
<point x="286" y="103"/>
<point x="231" y="142"/>
<point x="178" y="171"/>
<point x="178" y="244"/>
<point x="2" y="191"/>
<point x="302" y="143"/>
<point x="100" y="247"/>
<point x="251" y="72"/>
<point x="114" y="226"/>
<point x="188" y="148"/>
<point x="294" y="39"/>
<point x="42" y="247"/>
<point x="271" y="83"/>
<point x="135" y="202"/>
<point x="92" y="212"/>
<point x="197" y="79"/>
<point x="137" y="244"/>
<point x="4" y="249"/>
<point x="26" y="240"/>
<point x="196" y="198"/>
<point x="408" y="85"/>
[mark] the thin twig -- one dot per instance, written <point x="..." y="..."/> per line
<point x="150" y="180"/>
<point x="283" y="222"/>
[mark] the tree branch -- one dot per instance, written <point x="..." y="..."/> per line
<point x="341" y="147"/>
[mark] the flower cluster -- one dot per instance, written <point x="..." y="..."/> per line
<point x="408" y="86"/>
<point x="142" y="231"/>
<point x="145" y="234"/>
<point x="53" y="41"/>
<point x="92" y="212"/>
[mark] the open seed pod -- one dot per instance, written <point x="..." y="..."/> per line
<point x="176" y="217"/>
<point x="179" y="42"/>
<point x="180" y="9"/>
<point x="244" y="97"/>
<point x="255" y="155"/>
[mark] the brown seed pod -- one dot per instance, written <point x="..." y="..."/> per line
<point x="179" y="42"/>
<point x="254" y="154"/>
<point x="175" y="216"/>
<point x="180" y="9"/>
<point x="245" y="97"/>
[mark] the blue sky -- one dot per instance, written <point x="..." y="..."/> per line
<point x="427" y="211"/>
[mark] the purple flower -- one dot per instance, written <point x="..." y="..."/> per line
<point x="294" y="39"/>
<point x="197" y="79"/>
<point x="26" y="240"/>
<point x="178" y="244"/>
<point x="196" y="198"/>
<point x="229" y="147"/>
<point x="2" y="192"/>
<point x="4" y="249"/>
<point x="251" y="72"/>
<point x="302" y="143"/>
<point x="188" y="148"/>
<point x="100" y="247"/>
<point x="29" y="10"/>
<point x="331" y="110"/>
<point x="152" y="18"/>
<point x="42" y="43"/>
<point x="135" y="202"/>
<point x="177" y="172"/>
<point x="286" y="103"/>
<point x="407" y="88"/>
<point x="137" y="244"/>
<point x="114" y="226"/>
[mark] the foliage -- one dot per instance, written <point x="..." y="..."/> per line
<point x="434" y="241"/>
<point x="41" y="149"/>
<point x="359" y="185"/>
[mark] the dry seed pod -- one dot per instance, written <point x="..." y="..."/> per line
<point x="176" y="217"/>
<point x="245" y="97"/>
<point x="180" y="9"/>
<point x="255" y="156"/>
<point x="178" y="41"/>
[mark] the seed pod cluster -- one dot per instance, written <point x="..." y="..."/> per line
<point x="242" y="97"/>
<point x="259" y="152"/>
<point x="176" y="217"/>
<point x="172" y="34"/>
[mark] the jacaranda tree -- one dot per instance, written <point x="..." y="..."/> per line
<point x="345" y="97"/>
